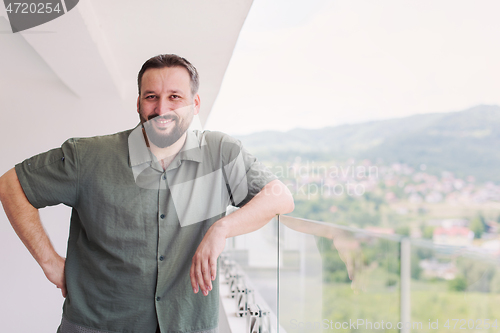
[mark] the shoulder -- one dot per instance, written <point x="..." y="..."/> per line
<point x="214" y="137"/>
<point x="103" y="143"/>
<point x="74" y="150"/>
<point x="220" y="144"/>
<point x="103" y="139"/>
<point x="218" y="140"/>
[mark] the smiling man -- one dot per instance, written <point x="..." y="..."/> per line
<point x="148" y="220"/>
<point x="167" y="119"/>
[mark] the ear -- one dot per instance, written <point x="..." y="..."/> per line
<point x="196" y="104"/>
<point x="138" y="104"/>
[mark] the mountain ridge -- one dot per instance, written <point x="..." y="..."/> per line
<point x="465" y="142"/>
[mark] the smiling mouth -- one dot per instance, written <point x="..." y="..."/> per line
<point x="162" y="122"/>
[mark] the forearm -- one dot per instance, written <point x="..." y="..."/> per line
<point x="273" y="199"/>
<point x="25" y="220"/>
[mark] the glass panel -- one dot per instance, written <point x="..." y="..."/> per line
<point x="453" y="289"/>
<point x="337" y="278"/>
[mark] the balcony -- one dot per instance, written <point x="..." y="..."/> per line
<point x="297" y="275"/>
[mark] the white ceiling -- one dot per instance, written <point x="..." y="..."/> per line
<point x="97" y="48"/>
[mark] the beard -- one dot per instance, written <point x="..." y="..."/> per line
<point x="167" y="137"/>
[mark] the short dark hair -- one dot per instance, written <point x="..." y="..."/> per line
<point x="170" y="60"/>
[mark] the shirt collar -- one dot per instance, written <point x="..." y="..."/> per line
<point x="137" y="148"/>
<point x="139" y="152"/>
<point x="192" y="147"/>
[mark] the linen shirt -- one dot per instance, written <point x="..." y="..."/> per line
<point x="135" y="227"/>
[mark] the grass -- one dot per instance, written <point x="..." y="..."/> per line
<point x="430" y="303"/>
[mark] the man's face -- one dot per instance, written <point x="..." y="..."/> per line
<point x="166" y="106"/>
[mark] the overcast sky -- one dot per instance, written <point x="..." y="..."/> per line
<point x="320" y="63"/>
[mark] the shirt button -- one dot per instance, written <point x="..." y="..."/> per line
<point x="161" y="258"/>
<point x="162" y="216"/>
<point x="158" y="298"/>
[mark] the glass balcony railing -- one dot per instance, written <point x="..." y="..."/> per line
<point x="297" y="275"/>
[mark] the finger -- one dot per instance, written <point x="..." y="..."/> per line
<point x="199" y="275"/>
<point x="192" y="276"/>
<point x="206" y="271"/>
<point x="213" y="269"/>
<point x="63" y="290"/>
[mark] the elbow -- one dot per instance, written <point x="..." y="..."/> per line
<point x="287" y="203"/>
<point x="290" y="205"/>
<point x="5" y="184"/>
<point x="2" y="188"/>
<point x="278" y="198"/>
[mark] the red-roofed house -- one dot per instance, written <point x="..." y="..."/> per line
<point x="456" y="236"/>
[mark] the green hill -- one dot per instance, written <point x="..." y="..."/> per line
<point x="465" y="142"/>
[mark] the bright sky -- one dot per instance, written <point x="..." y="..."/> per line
<point x="320" y="63"/>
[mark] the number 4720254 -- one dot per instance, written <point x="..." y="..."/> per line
<point x="33" y="8"/>
<point x="477" y="324"/>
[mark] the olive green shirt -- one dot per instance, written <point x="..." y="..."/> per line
<point x="135" y="227"/>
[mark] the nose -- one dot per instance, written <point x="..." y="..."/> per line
<point x="164" y="106"/>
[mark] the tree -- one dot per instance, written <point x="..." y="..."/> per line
<point x="457" y="284"/>
<point x="478" y="225"/>
<point x="403" y="230"/>
<point x="427" y="232"/>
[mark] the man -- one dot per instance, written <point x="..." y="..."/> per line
<point x="148" y="220"/>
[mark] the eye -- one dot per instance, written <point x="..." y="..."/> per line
<point x="150" y="96"/>
<point x="175" y="96"/>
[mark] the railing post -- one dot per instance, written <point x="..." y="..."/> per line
<point x="278" y="276"/>
<point x="405" y="279"/>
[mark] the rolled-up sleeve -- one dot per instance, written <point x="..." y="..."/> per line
<point x="246" y="176"/>
<point x="258" y="175"/>
<point x="51" y="178"/>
